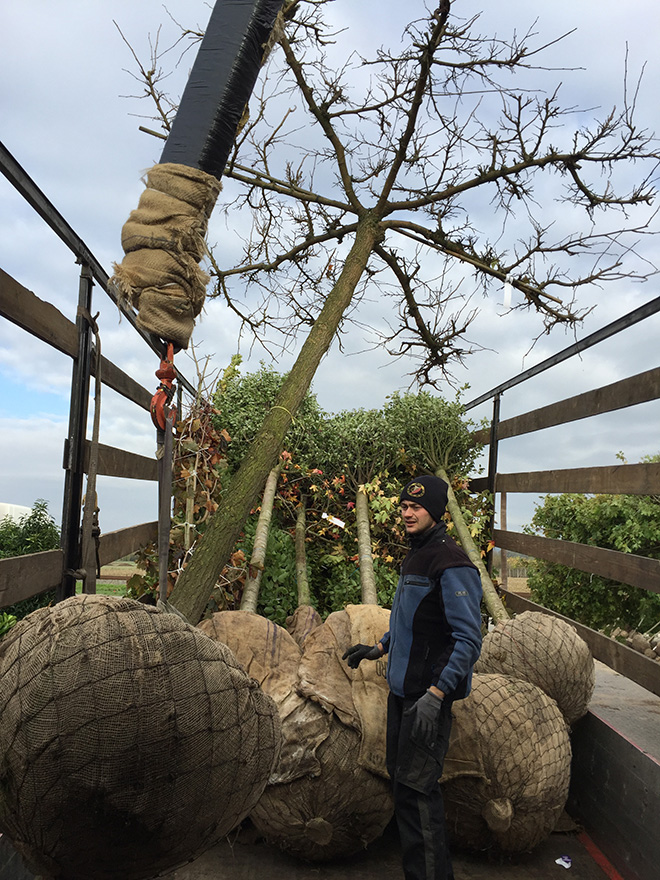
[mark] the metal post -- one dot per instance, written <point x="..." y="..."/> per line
<point x="74" y="449"/>
<point x="504" y="568"/>
<point x="492" y="470"/>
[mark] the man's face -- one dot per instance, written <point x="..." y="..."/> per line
<point x="416" y="518"/>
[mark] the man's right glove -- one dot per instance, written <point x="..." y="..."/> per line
<point x="357" y="653"/>
<point x="426" y="712"/>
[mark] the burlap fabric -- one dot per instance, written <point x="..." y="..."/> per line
<point x="507" y="772"/>
<point x="546" y="651"/>
<point x="336" y="813"/>
<point x="346" y="803"/>
<point x="271" y="656"/>
<point x="357" y="696"/>
<point x="164" y="241"/>
<point x="328" y="796"/>
<point x="302" y="622"/>
<point x="129" y="741"/>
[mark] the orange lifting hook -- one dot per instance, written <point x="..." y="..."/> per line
<point x="165" y="391"/>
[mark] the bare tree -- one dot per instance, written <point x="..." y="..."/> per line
<point x="371" y="178"/>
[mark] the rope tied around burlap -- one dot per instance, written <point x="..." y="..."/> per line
<point x="164" y="242"/>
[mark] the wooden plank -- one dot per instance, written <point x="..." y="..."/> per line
<point x="621" y="658"/>
<point x="123" y="542"/>
<point x="24" y="576"/>
<point x="621" y="479"/>
<point x="618" y="395"/>
<point x="625" y="568"/>
<point x="122" y="383"/>
<point x="39" y="318"/>
<point x="113" y="462"/>
<point x="43" y="320"/>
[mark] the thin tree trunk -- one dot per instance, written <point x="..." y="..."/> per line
<point x="189" y="527"/>
<point x="194" y="585"/>
<point x="302" y="581"/>
<point x="258" y="559"/>
<point x="367" y="574"/>
<point x="493" y="602"/>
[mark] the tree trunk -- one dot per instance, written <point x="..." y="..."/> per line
<point x="493" y="602"/>
<point x="194" y="585"/>
<point x="258" y="558"/>
<point x="302" y="581"/>
<point x="367" y="574"/>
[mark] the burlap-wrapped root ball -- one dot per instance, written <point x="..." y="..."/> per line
<point x="346" y="803"/>
<point x="129" y="741"/>
<point x="302" y="622"/>
<point x="547" y="652"/>
<point x="329" y="795"/>
<point x="336" y="813"/>
<point x="271" y="656"/>
<point x="507" y="772"/>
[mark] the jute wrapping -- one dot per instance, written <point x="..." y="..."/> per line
<point x="130" y="742"/>
<point x="164" y="241"/>
<point x="332" y="815"/>
<point x="547" y="652"/>
<point x="271" y="656"/>
<point x="347" y="803"/>
<point x="328" y="796"/>
<point x="357" y="696"/>
<point x="302" y="622"/>
<point x="507" y="772"/>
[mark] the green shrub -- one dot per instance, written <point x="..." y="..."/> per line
<point x="33" y="533"/>
<point x="628" y="523"/>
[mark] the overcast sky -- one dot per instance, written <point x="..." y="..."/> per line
<point x="65" y="118"/>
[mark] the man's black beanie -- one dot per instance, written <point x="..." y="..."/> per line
<point x="429" y="492"/>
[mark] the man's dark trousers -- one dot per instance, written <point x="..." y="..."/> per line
<point x="418" y="804"/>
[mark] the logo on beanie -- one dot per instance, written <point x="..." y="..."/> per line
<point x="415" y="490"/>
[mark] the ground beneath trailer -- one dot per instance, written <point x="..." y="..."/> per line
<point x="255" y="860"/>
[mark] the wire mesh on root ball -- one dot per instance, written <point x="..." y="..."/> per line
<point x="507" y="771"/>
<point x="130" y="742"/>
<point x="547" y="652"/>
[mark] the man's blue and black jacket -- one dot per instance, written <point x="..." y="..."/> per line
<point x="435" y="623"/>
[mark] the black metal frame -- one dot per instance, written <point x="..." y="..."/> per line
<point x="91" y="271"/>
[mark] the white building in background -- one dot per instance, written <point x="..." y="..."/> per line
<point x="14" y="511"/>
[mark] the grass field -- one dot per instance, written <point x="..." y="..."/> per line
<point x="106" y="589"/>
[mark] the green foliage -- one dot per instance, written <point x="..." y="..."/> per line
<point x="243" y="402"/>
<point x="627" y="523"/>
<point x="359" y="445"/>
<point x="277" y="594"/>
<point x="33" y="533"/>
<point x="431" y="432"/>
<point x="327" y="458"/>
<point x="6" y="622"/>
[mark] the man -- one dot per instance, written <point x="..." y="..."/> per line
<point x="433" y="642"/>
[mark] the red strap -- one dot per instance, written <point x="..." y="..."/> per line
<point x="165" y="391"/>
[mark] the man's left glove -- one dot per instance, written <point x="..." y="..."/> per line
<point x="425" y="712"/>
<point x="357" y="653"/>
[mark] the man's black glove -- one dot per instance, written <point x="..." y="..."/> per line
<point x="358" y="653"/>
<point x="425" y="712"/>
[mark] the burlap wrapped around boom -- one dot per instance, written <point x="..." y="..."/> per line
<point x="164" y="241"/>
<point x="507" y="772"/>
<point x="129" y="741"/>
<point x="547" y="652"/>
<point x="328" y="795"/>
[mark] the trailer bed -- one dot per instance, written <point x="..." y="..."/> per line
<point x="248" y="860"/>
